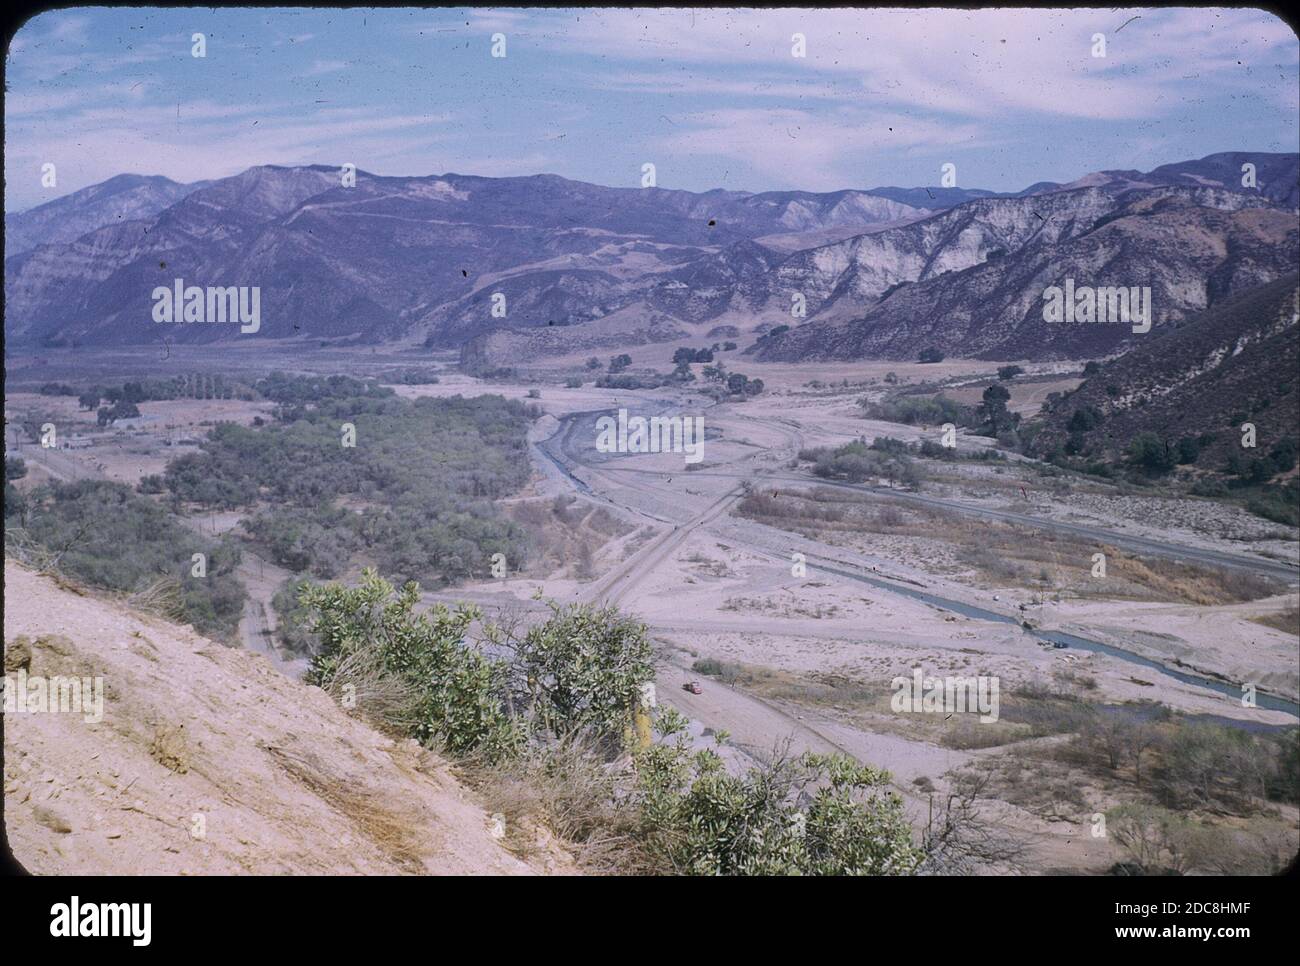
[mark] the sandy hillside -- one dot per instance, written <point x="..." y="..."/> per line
<point x="284" y="780"/>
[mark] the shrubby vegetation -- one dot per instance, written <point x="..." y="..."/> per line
<point x="914" y="410"/>
<point x="293" y="619"/>
<point x="627" y="381"/>
<point x="419" y="480"/>
<point x="415" y="376"/>
<point x="543" y="718"/>
<point x="105" y="535"/>
<point x="815" y="815"/>
<point x="857" y="462"/>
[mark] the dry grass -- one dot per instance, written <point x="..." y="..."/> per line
<point x="361" y="686"/>
<point x="1000" y="554"/>
<point x="169" y="748"/>
<point x="162" y="597"/>
<point x="570" y="789"/>
<point x="1287" y="621"/>
<point x="393" y="833"/>
<point x="563" y="531"/>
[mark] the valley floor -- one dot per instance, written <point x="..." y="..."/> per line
<point x="795" y="631"/>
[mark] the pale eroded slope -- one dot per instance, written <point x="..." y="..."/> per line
<point x="286" y="782"/>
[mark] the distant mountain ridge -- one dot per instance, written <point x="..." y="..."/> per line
<point x="127" y="197"/>
<point x="420" y="259"/>
<point x="971" y="282"/>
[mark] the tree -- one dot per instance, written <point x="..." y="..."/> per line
<point x="994" y="409"/>
<point x="1147" y="451"/>
<point x="1284" y="454"/>
<point x="15" y="468"/>
<point x="1157" y="839"/>
<point x="931" y="355"/>
<point x="88" y="400"/>
<point x="1007" y="373"/>
<point x="1084" y="419"/>
<point x="1091" y="368"/>
<point x="775" y="332"/>
<point x="593" y="363"/>
<point x="736" y="383"/>
<point x="1188" y="450"/>
<point x="619" y="363"/>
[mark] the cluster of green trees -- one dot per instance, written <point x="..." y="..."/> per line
<point x="423" y="472"/>
<point x="193" y="385"/>
<point x="108" y="415"/>
<point x="917" y="410"/>
<point x="107" y="536"/>
<point x="626" y="380"/>
<point x="415" y="376"/>
<point x="857" y="462"/>
<point x="687" y="355"/>
<point x="561" y="697"/>
<point x="291" y="390"/>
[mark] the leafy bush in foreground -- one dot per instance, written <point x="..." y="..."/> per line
<point x="454" y="689"/>
<point x="705" y="821"/>
<point x="578" y="677"/>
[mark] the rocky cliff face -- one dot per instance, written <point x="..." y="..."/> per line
<point x="971" y="282"/>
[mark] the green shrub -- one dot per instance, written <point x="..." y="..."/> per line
<point x="815" y="815"/>
<point x="456" y="690"/>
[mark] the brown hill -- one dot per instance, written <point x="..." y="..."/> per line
<point x="1238" y="361"/>
<point x="284" y="780"/>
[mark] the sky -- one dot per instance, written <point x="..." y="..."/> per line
<point x="712" y="98"/>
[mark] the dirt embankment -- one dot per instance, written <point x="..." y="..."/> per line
<point x="207" y="761"/>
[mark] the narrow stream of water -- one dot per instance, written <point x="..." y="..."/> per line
<point x="1233" y="692"/>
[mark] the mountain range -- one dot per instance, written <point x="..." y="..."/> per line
<point x="418" y="260"/>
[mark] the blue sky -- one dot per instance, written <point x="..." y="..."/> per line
<point x="712" y="98"/>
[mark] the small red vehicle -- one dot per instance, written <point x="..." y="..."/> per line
<point x="693" y="687"/>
